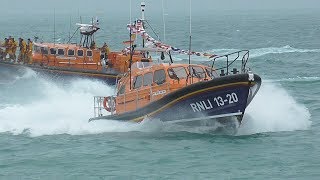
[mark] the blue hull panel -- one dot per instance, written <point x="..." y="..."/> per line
<point x="211" y="103"/>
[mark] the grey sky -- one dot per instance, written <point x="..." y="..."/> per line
<point x="121" y="7"/>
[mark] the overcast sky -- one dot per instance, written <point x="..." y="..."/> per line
<point x="154" y="6"/>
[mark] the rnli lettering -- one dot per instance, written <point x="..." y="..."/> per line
<point x="159" y="92"/>
<point x="219" y="101"/>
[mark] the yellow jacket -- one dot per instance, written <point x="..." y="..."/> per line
<point x="29" y="47"/>
<point x="23" y="47"/>
<point x="107" y="50"/>
<point x="14" y="46"/>
<point x="9" y="46"/>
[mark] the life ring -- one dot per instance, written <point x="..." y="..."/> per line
<point x="108" y="102"/>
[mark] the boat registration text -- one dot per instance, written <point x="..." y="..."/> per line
<point x="217" y="101"/>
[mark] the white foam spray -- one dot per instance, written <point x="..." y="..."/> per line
<point x="274" y="109"/>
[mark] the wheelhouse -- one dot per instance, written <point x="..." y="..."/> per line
<point x="151" y="82"/>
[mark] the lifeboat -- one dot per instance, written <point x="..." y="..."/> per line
<point x="82" y="59"/>
<point x="78" y="60"/>
<point x="182" y="93"/>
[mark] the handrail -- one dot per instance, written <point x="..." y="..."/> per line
<point x="244" y="60"/>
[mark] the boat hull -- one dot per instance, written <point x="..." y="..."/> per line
<point x="216" y="99"/>
<point x="57" y="72"/>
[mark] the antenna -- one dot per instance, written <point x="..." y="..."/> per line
<point x="131" y="54"/>
<point x="54" y="26"/>
<point x="69" y="28"/>
<point x="143" y="6"/>
<point x="190" y="42"/>
<point x="164" y="23"/>
<point x="130" y="12"/>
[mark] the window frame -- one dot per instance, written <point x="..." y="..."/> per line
<point x="135" y="81"/>
<point x="177" y="77"/>
<point x="64" y="52"/>
<point x="78" y="52"/>
<point x="89" y="51"/>
<point x="74" y="53"/>
<point x="204" y="73"/>
<point x="155" y="80"/>
<point x="44" y="50"/>
<point x="53" y="49"/>
<point x="122" y="89"/>
<point x="151" y="75"/>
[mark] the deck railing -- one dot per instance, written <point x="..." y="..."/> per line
<point x="231" y="58"/>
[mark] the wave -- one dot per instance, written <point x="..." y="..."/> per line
<point x="9" y="78"/>
<point x="254" y="53"/>
<point x="268" y="50"/>
<point x="296" y="79"/>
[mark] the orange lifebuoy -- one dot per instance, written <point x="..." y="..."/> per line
<point x="107" y="105"/>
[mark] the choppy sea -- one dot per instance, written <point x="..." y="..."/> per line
<point x="45" y="134"/>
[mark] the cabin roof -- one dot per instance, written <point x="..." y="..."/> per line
<point x="68" y="46"/>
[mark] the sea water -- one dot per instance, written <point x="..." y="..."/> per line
<point x="44" y="129"/>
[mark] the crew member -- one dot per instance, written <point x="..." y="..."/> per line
<point x="4" y="53"/>
<point x="106" y="50"/>
<point x="23" y="49"/>
<point x="9" y="48"/>
<point x="29" y="52"/>
<point x="14" y="50"/>
<point x="93" y="45"/>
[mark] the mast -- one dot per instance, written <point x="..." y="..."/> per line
<point x="164" y="23"/>
<point x="143" y="6"/>
<point x="131" y="50"/>
<point x="131" y="54"/>
<point x="130" y="10"/>
<point x="69" y="28"/>
<point x="190" y="42"/>
<point x="54" y="26"/>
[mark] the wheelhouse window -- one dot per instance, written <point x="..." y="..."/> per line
<point x="89" y="53"/>
<point x="211" y="73"/>
<point x="159" y="77"/>
<point x="80" y="52"/>
<point x="197" y="71"/>
<point x="147" y="79"/>
<point x="177" y="73"/>
<point x="44" y="50"/>
<point x="61" y="52"/>
<point x="70" y="52"/>
<point x="122" y="89"/>
<point x="53" y="51"/>
<point x="37" y="49"/>
<point x="137" y="82"/>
